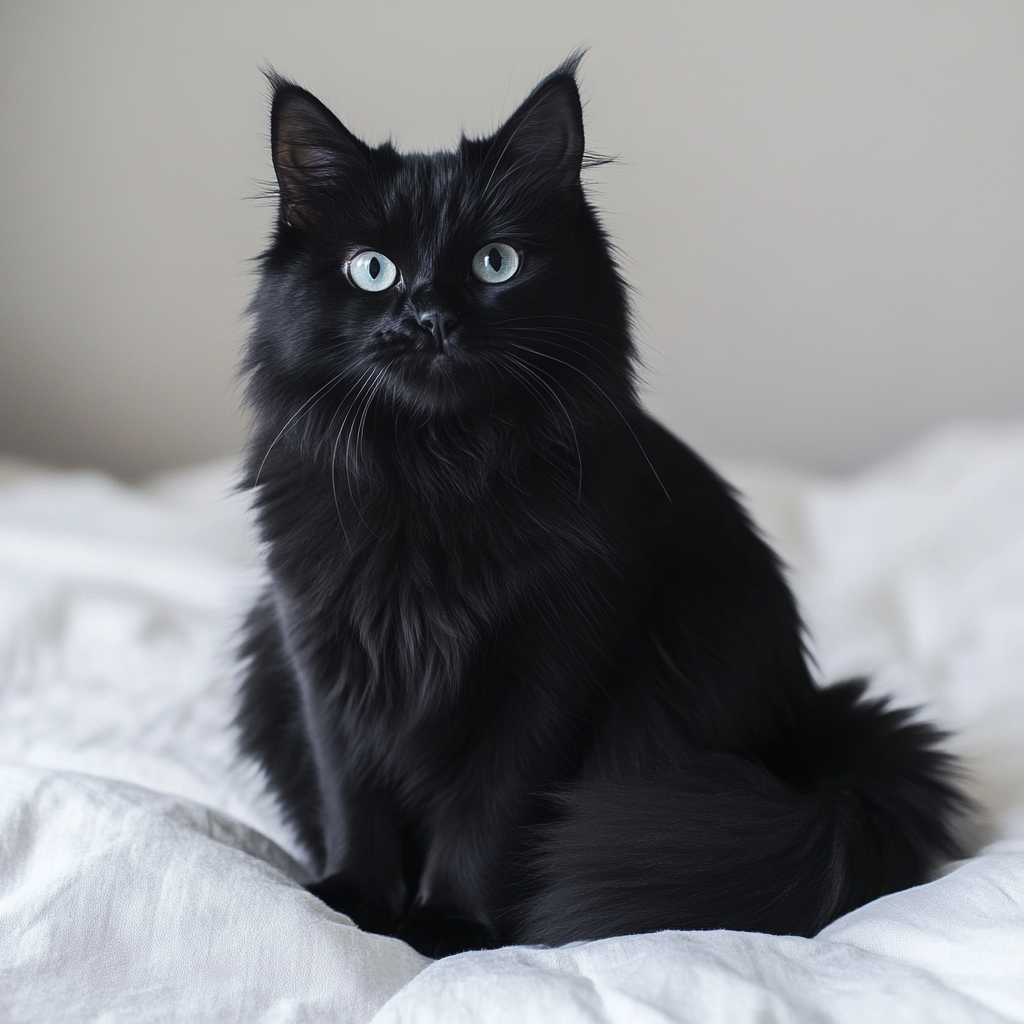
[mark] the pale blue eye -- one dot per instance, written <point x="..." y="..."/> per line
<point x="372" y="271"/>
<point x="495" y="263"/>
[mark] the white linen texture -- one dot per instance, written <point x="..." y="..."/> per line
<point x="145" y="876"/>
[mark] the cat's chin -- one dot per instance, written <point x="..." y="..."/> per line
<point x="440" y="364"/>
<point x="440" y="385"/>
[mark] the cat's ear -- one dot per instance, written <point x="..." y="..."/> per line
<point x="314" y="153"/>
<point x="544" y="137"/>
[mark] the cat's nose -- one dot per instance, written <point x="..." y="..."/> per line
<point x="436" y="309"/>
<point x="439" y="322"/>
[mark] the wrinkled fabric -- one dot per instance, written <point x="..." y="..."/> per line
<point x="951" y="951"/>
<point x="145" y="875"/>
<point x="119" y="903"/>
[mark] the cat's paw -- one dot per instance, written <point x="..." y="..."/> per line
<point x="437" y="933"/>
<point x="344" y="895"/>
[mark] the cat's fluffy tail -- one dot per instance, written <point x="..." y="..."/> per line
<point x="724" y="843"/>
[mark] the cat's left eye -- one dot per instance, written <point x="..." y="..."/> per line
<point x="372" y="271"/>
<point x="495" y="263"/>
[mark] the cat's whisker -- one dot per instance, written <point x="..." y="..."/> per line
<point x="334" y="452"/>
<point x="579" y="456"/>
<point x="647" y="342"/>
<point x="311" y="403"/>
<point x="375" y="389"/>
<point x="535" y="334"/>
<point x="648" y="332"/>
<point x="561" y="316"/>
<point x="611" y="402"/>
<point x="596" y="345"/>
<point x="527" y="384"/>
<point x="376" y="386"/>
<point x="362" y="397"/>
<point x="589" y="337"/>
<point x="312" y="399"/>
<point x="530" y="388"/>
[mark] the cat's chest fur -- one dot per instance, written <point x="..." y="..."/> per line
<point x="401" y="592"/>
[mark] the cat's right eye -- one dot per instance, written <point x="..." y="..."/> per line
<point x="372" y="271"/>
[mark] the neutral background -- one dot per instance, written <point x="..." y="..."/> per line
<point x="821" y="204"/>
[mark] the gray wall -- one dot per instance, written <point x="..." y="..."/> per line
<point x="821" y="203"/>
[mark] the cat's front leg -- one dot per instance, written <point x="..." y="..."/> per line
<point x="476" y="818"/>
<point x="348" y="897"/>
<point x="364" y="879"/>
<point x="465" y="877"/>
<point x="348" y="827"/>
<point x="437" y="932"/>
<point x="363" y="866"/>
<point x="448" y="915"/>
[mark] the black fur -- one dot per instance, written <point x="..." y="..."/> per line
<point x="524" y="671"/>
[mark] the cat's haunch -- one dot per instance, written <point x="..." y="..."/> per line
<point x="524" y="672"/>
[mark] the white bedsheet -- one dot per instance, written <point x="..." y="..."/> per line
<point x="144" y="876"/>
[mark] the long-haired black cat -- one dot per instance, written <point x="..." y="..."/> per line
<point x="524" y="672"/>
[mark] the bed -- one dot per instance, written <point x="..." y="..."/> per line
<point x="144" y="875"/>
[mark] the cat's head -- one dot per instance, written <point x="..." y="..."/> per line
<point x="474" y="282"/>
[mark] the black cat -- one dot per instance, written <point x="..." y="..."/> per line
<point x="524" y="672"/>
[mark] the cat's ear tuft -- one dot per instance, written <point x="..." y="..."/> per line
<point x="313" y="151"/>
<point x="545" y="135"/>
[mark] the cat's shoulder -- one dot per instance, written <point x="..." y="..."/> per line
<point x="692" y="509"/>
<point x="677" y="470"/>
